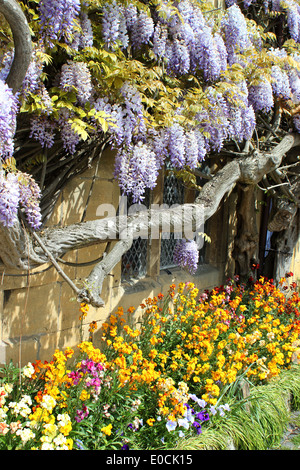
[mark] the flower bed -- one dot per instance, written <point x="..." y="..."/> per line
<point x="168" y="381"/>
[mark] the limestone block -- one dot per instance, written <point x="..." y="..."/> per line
<point x="3" y="352"/>
<point x="103" y="192"/>
<point x="19" y="353"/>
<point x="74" y="198"/>
<point x="86" y="255"/>
<point x="31" y="311"/>
<point x="55" y="217"/>
<point x="106" y="166"/>
<point x="70" y="311"/>
<point x="58" y="340"/>
<point x="94" y="253"/>
<point x="40" y="276"/>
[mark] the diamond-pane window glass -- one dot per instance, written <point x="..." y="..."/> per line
<point x="173" y="194"/>
<point x="134" y="261"/>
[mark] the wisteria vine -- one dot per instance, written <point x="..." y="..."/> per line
<point x="184" y="41"/>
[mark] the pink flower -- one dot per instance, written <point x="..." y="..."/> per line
<point x="81" y="414"/>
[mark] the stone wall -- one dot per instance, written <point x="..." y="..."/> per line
<point x="38" y="310"/>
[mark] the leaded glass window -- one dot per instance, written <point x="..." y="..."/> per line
<point x="134" y="261"/>
<point x="173" y="194"/>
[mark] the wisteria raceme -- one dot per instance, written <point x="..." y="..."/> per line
<point x="85" y="37"/>
<point x="178" y="57"/>
<point x="142" y="30"/>
<point x="261" y="96"/>
<point x="77" y="75"/>
<point x="122" y="132"/>
<point x="296" y="122"/>
<point x="111" y="24"/>
<point x="293" y="19"/>
<point x="294" y="82"/>
<point x="8" y="112"/>
<point x="241" y="116"/>
<point x="32" y="81"/>
<point x="201" y="144"/>
<point x="248" y="122"/>
<point x="159" y="145"/>
<point x="280" y="83"/>
<point x="235" y="126"/>
<point x="160" y="40"/>
<point x="136" y="170"/>
<point x="192" y="15"/>
<point x="57" y="19"/>
<point x="191" y="149"/>
<point x="6" y="61"/>
<point x="186" y="10"/>
<point x="222" y="51"/>
<point x="131" y="15"/>
<point x="208" y="55"/>
<point x="216" y="120"/>
<point x="235" y="32"/>
<point x="69" y="137"/>
<point x="186" y="255"/>
<point x="45" y="100"/>
<point x="176" y="145"/>
<point x="9" y="198"/>
<point x="125" y="125"/>
<point x="134" y="108"/>
<point x="43" y="130"/>
<point x="29" y="200"/>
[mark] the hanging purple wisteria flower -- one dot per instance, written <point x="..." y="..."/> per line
<point x="29" y="200"/>
<point x="114" y="26"/>
<point x="280" y="83"/>
<point x="32" y="80"/>
<point x="57" y="19"/>
<point x="9" y="198"/>
<point x="293" y="19"/>
<point x="186" y="255"/>
<point x="177" y="145"/>
<point x="207" y="53"/>
<point x="178" y="57"/>
<point x="160" y="40"/>
<point x="136" y="170"/>
<point x="77" y="75"/>
<point x="142" y="30"/>
<point x="69" y="137"/>
<point x="8" y="113"/>
<point x="235" y="31"/>
<point x="134" y="109"/>
<point x="296" y="121"/>
<point x="43" y="130"/>
<point x="261" y="96"/>
<point x="191" y="149"/>
<point x="294" y="82"/>
<point x="248" y="122"/>
<point x="85" y="37"/>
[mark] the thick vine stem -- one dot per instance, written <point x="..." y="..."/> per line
<point x="16" y="19"/>
<point x="247" y="170"/>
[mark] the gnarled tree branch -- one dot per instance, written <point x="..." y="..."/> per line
<point x="22" y="41"/>
<point x="247" y="170"/>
